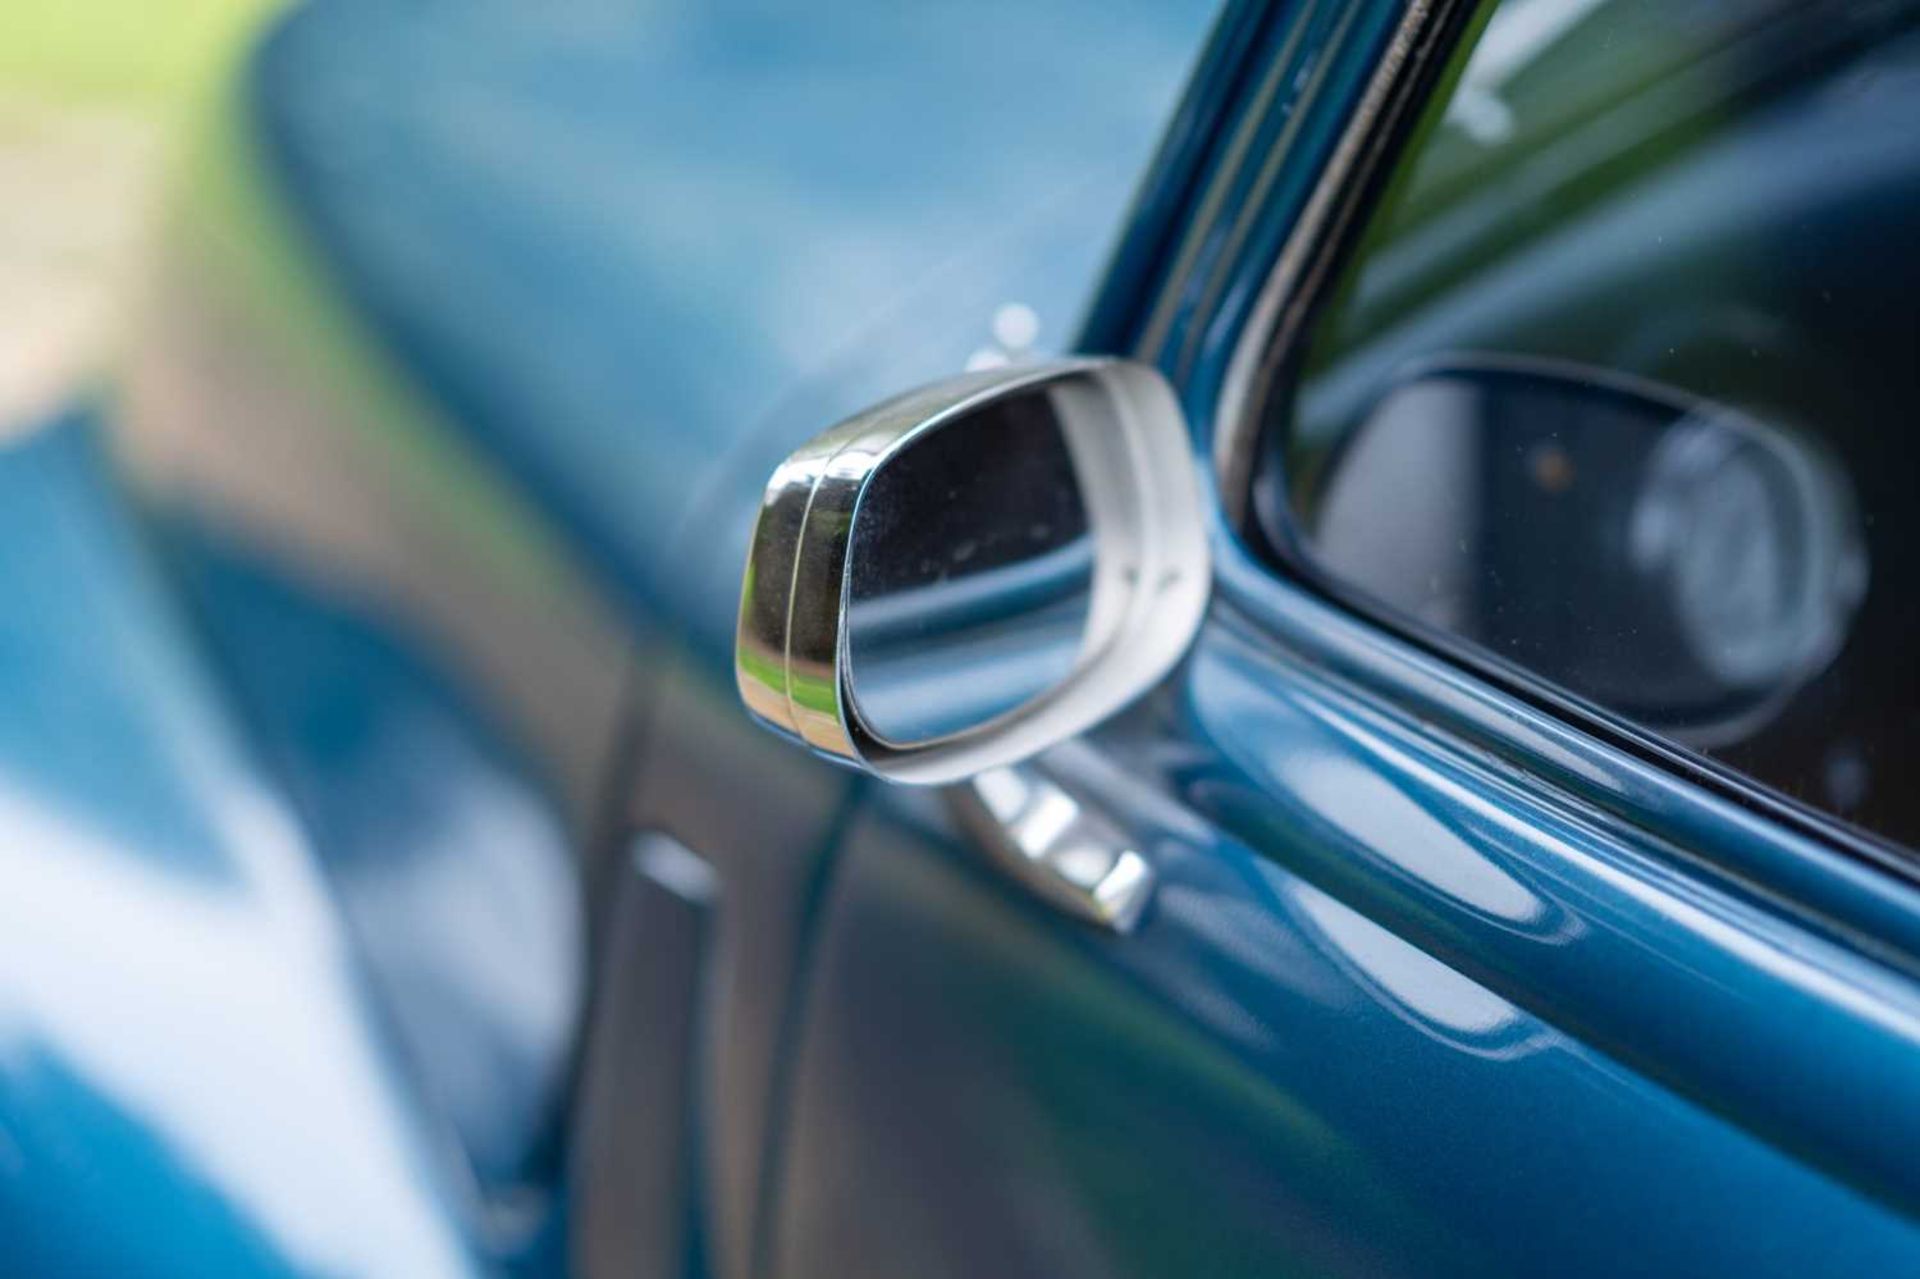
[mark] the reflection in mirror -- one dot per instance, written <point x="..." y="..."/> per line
<point x="971" y="572"/>
<point x="1671" y="560"/>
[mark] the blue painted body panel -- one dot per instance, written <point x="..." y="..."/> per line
<point x="611" y="250"/>
<point x="622" y="242"/>
<point x="190" y="1078"/>
<point x="1262" y="1079"/>
<point x="450" y="867"/>
<point x="1432" y="984"/>
<point x="1437" y="984"/>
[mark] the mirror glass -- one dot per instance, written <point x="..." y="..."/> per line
<point x="970" y="572"/>
<point x="1672" y="560"/>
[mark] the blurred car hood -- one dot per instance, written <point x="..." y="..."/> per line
<point x="640" y="250"/>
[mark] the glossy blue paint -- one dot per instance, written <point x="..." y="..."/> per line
<point x="622" y="243"/>
<point x="190" y="1074"/>
<point x="615" y="252"/>
<point x="1168" y="198"/>
<point x="1828" y="890"/>
<point x="1432" y="984"/>
<point x="452" y="868"/>
<point x="1401" y="1005"/>
<point x="1567" y="913"/>
<point x="1262" y="1078"/>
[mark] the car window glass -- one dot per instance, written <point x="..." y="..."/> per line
<point x="1617" y="389"/>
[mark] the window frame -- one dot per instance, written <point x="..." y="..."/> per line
<point x="1262" y="369"/>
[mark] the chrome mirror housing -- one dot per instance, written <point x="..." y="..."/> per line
<point x="972" y="572"/>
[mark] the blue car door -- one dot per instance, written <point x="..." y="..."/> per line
<point x="1532" y="891"/>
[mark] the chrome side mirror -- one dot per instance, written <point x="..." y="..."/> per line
<point x="972" y="572"/>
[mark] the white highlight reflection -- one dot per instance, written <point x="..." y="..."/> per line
<point x="1380" y="816"/>
<point x="1426" y="987"/>
<point x="221" y="1015"/>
